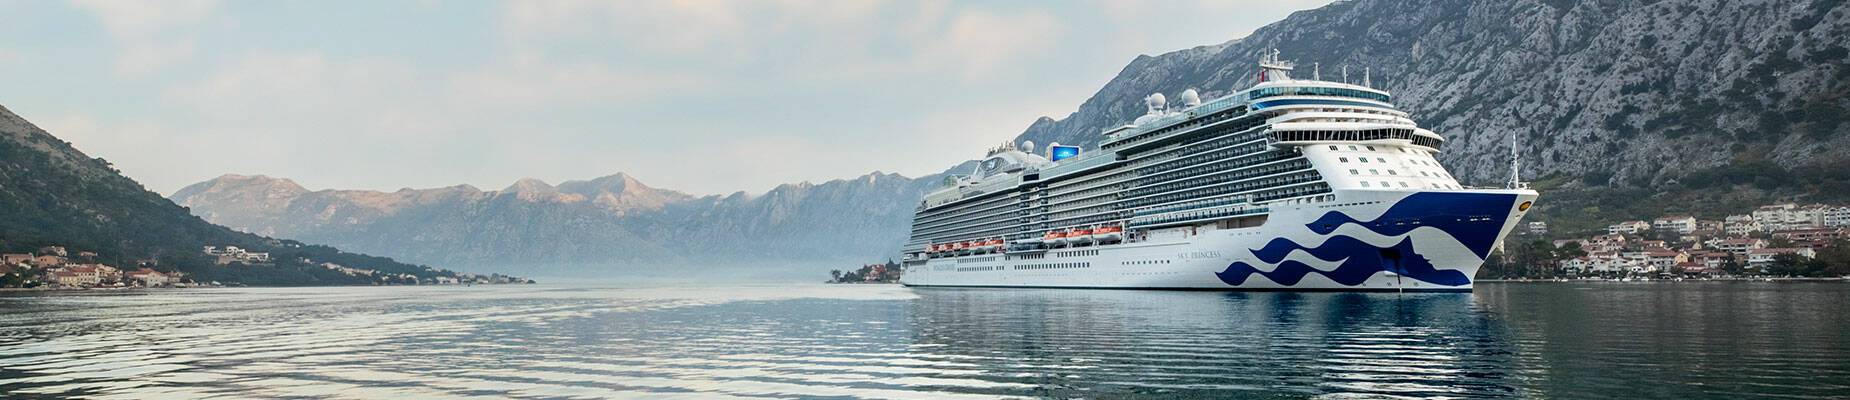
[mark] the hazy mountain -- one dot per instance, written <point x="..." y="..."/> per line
<point x="609" y="221"/>
<point x="51" y="194"/>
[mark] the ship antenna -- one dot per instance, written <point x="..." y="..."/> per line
<point x="1345" y="73"/>
<point x="1515" y="167"/>
<point x="1316" y="71"/>
<point x="1365" y="81"/>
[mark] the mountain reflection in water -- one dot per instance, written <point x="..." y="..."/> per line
<point x="868" y="341"/>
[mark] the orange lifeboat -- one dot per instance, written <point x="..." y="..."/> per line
<point x="1108" y="234"/>
<point x="1080" y="236"/>
<point x="1055" y="238"/>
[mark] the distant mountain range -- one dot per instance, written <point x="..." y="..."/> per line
<point x="609" y="221"/>
<point x="1638" y="98"/>
<point x="51" y="194"/>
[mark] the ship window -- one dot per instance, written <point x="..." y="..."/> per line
<point x="1374" y="172"/>
<point x="1380" y="159"/>
<point x="1384" y="184"/>
<point x="1403" y="184"/>
<point x="1332" y="148"/>
<point x="1364" y="159"/>
<point x="1351" y="148"/>
<point x="1354" y="172"/>
<point x="1371" y="148"/>
<point x="1343" y="159"/>
<point x="1364" y="183"/>
<point x="1391" y="172"/>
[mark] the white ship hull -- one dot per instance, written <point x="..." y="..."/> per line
<point x="1366" y="240"/>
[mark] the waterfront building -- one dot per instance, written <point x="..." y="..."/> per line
<point x="81" y="275"/>
<point x="148" y="277"/>
<point x="1693" y="269"/>
<point x="1837" y="217"/>
<point x="1811" y="237"/>
<point x="1664" y="259"/>
<point x="1741" y="225"/>
<point x="1605" y="243"/>
<point x="1627" y="227"/>
<point x="231" y="254"/>
<point x="1789" y="216"/>
<point x="15" y="258"/>
<point x="1711" y="259"/>
<point x="1738" y="246"/>
<point x="1681" y="224"/>
<point x="1760" y="258"/>
<point x="1538" y="227"/>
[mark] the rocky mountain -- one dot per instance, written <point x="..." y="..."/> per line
<point x="610" y="221"/>
<point x="51" y="194"/>
<point x="1621" y="92"/>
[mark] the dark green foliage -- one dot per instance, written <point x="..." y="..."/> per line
<point x="51" y="194"/>
<point x="1710" y="193"/>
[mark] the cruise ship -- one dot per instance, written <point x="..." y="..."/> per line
<point x="1287" y="185"/>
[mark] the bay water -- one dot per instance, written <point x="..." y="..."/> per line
<point x="1504" y="340"/>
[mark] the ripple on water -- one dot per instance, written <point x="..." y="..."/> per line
<point x="885" y="342"/>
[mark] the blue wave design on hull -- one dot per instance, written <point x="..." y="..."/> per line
<point x="1474" y="219"/>
<point x="1360" y="260"/>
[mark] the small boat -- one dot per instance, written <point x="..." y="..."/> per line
<point x="1078" y="236"/>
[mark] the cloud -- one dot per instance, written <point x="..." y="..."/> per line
<point x="976" y="43"/>
<point x="152" y="34"/>
<point x="793" y="38"/>
<point x="531" y="82"/>
<point x="656" y="26"/>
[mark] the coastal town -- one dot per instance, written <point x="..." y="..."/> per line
<point x="55" y="267"/>
<point x="1784" y="240"/>
<point x="870" y="273"/>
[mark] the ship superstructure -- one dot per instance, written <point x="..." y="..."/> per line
<point x="1288" y="184"/>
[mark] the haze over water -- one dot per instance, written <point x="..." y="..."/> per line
<point x="1663" y="340"/>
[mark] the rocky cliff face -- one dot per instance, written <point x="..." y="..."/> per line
<point x="609" y="221"/>
<point x="1621" y="92"/>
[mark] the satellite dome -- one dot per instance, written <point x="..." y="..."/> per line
<point x="1027" y="146"/>
<point x="1155" y="102"/>
<point x="1190" y="98"/>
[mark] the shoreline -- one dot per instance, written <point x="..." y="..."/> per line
<point x="140" y="288"/>
<point x="1573" y="280"/>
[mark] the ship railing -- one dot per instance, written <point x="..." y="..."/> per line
<point x="1191" y="205"/>
<point x="1083" y="163"/>
<point x="1198" y="215"/>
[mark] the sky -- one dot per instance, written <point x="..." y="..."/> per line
<point x="705" y="97"/>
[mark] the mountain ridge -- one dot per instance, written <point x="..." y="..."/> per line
<point x="614" y="220"/>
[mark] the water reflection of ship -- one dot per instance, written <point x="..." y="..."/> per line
<point x="1088" y="343"/>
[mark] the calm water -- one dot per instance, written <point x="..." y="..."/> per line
<point x="1610" y="340"/>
